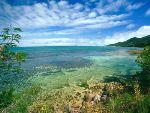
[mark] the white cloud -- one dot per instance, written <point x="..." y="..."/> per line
<point x="134" y="6"/>
<point x="101" y="22"/>
<point x="41" y="15"/>
<point x="80" y="26"/>
<point x="119" y="37"/>
<point x="62" y="42"/>
<point x="147" y="12"/>
<point x="111" y="6"/>
<point x="106" y="6"/>
<point x="106" y="25"/>
<point x="92" y="14"/>
<point x="130" y="26"/>
<point x="74" y="18"/>
<point x="49" y="33"/>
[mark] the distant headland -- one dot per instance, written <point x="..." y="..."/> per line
<point x="134" y="42"/>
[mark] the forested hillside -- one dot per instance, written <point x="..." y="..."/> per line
<point x="134" y="42"/>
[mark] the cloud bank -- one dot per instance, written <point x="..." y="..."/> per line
<point x="117" y="37"/>
<point x="42" y="15"/>
<point x="123" y="36"/>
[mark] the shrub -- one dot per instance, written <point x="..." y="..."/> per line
<point x="10" y="62"/>
<point x="144" y="77"/>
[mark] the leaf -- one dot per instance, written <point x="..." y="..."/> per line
<point x="17" y="36"/>
<point x="20" y="56"/>
<point x="16" y="40"/>
<point x="5" y="30"/>
<point x="5" y="36"/>
<point x="17" y="30"/>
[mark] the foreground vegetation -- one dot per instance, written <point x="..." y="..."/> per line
<point x="115" y="94"/>
<point x="10" y="63"/>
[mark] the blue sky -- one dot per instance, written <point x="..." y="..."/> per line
<point x="76" y="22"/>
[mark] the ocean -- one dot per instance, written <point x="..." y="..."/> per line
<point x="56" y="66"/>
<point x="77" y="56"/>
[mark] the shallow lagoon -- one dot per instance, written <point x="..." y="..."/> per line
<point x="56" y="67"/>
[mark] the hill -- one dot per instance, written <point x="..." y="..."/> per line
<point x="134" y="42"/>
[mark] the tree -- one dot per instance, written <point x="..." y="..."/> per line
<point x="144" y="59"/>
<point x="144" y="77"/>
<point x="10" y="62"/>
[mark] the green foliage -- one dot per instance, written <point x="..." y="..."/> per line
<point x="143" y="106"/>
<point x="134" y="42"/>
<point x="84" y="84"/>
<point x="127" y="103"/>
<point x="6" y="98"/>
<point x="10" y="63"/>
<point x="138" y="84"/>
<point x="144" y="77"/>
<point x="144" y="59"/>
<point x="10" y="60"/>
<point x="120" y="103"/>
<point x="24" y="99"/>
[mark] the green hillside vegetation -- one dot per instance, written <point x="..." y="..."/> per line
<point x="134" y="42"/>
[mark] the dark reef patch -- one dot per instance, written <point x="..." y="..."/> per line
<point x="72" y="63"/>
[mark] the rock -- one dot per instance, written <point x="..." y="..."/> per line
<point x="106" y="87"/>
<point x="88" y="97"/>
<point x="97" y="98"/>
<point x="104" y="97"/>
<point x="76" y="109"/>
<point x="68" y="108"/>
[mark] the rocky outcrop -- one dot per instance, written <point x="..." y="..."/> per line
<point x="93" y="99"/>
<point x="80" y="100"/>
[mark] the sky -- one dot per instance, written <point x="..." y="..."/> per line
<point x="76" y="22"/>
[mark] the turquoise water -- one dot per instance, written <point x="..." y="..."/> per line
<point x="59" y="66"/>
<point x="78" y="56"/>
